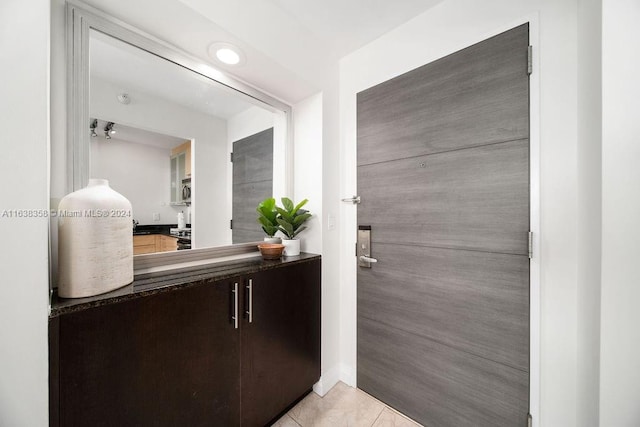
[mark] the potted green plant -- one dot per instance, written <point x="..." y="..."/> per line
<point x="267" y="215"/>
<point x="290" y="221"/>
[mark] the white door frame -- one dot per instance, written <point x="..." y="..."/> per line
<point x="348" y="223"/>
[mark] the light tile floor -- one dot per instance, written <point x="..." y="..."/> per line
<point x="343" y="406"/>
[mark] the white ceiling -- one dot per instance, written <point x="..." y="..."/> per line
<point x="347" y="25"/>
<point x="292" y="46"/>
<point x="136" y="70"/>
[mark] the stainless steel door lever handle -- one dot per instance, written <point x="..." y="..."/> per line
<point x="367" y="259"/>
<point x="354" y="200"/>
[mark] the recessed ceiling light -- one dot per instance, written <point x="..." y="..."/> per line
<point x="228" y="56"/>
<point x="226" y="53"/>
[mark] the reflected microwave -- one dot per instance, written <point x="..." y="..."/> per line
<point x="186" y="190"/>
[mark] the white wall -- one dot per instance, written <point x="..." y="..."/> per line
<point x="446" y="28"/>
<point x="310" y="164"/>
<point x="140" y="173"/>
<point x="332" y="367"/>
<point x="247" y="123"/>
<point x="24" y="166"/>
<point x="620" y="315"/>
<point x="307" y="160"/>
<point x="589" y="210"/>
<point x="210" y="185"/>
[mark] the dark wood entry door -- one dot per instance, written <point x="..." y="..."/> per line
<point x="443" y="173"/>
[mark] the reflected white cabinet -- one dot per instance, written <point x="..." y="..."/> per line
<point x="178" y="173"/>
<point x="180" y="169"/>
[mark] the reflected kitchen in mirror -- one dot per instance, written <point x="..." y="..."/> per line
<point x="163" y="135"/>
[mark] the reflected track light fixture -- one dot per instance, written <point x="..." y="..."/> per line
<point x="109" y="130"/>
<point x="93" y="126"/>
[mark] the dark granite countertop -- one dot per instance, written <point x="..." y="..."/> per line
<point x="167" y="281"/>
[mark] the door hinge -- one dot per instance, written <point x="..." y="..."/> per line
<point x="231" y="224"/>
<point x="231" y="157"/>
<point x="529" y="420"/>
<point x="530" y="244"/>
<point x="529" y="60"/>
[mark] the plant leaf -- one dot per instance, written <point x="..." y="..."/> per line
<point x="298" y="220"/>
<point x="298" y="231"/>
<point x="285" y="227"/>
<point x="284" y="214"/>
<point x="288" y="204"/>
<point x="265" y="221"/>
<point x="266" y="208"/>
<point x="284" y="232"/>
<point x="301" y="204"/>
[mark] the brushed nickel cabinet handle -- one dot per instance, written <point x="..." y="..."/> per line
<point x="249" y="310"/>
<point x="235" y="305"/>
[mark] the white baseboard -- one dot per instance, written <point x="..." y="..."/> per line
<point x="327" y="381"/>
<point x="348" y="375"/>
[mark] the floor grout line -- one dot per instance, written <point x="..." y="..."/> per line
<point x="363" y="394"/>
<point x="404" y="416"/>
<point x="292" y="419"/>
<point x="378" y="417"/>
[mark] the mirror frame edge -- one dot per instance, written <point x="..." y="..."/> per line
<point x="80" y="19"/>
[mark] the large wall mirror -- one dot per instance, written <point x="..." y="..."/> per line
<point x="161" y="127"/>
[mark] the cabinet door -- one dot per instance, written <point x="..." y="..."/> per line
<point x="178" y="170"/>
<point x="186" y="149"/>
<point x="168" y="243"/>
<point x="163" y="360"/>
<point x="281" y="344"/>
<point x="145" y="244"/>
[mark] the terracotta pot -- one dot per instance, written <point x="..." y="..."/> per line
<point x="271" y="250"/>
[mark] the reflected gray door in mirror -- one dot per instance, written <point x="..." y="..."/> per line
<point x="252" y="183"/>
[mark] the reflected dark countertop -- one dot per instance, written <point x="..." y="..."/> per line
<point x="143" y="230"/>
<point x="171" y="280"/>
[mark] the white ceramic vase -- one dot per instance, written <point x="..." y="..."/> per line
<point x="291" y="247"/>
<point x="95" y="241"/>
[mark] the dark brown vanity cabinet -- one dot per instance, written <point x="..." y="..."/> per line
<point x="280" y="342"/>
<point x="176" y="357"/>
<point x="163" y="360"/>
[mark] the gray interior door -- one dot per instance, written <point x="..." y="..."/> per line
<point x="443" y="174"/>
<point x="252" y="183"/>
